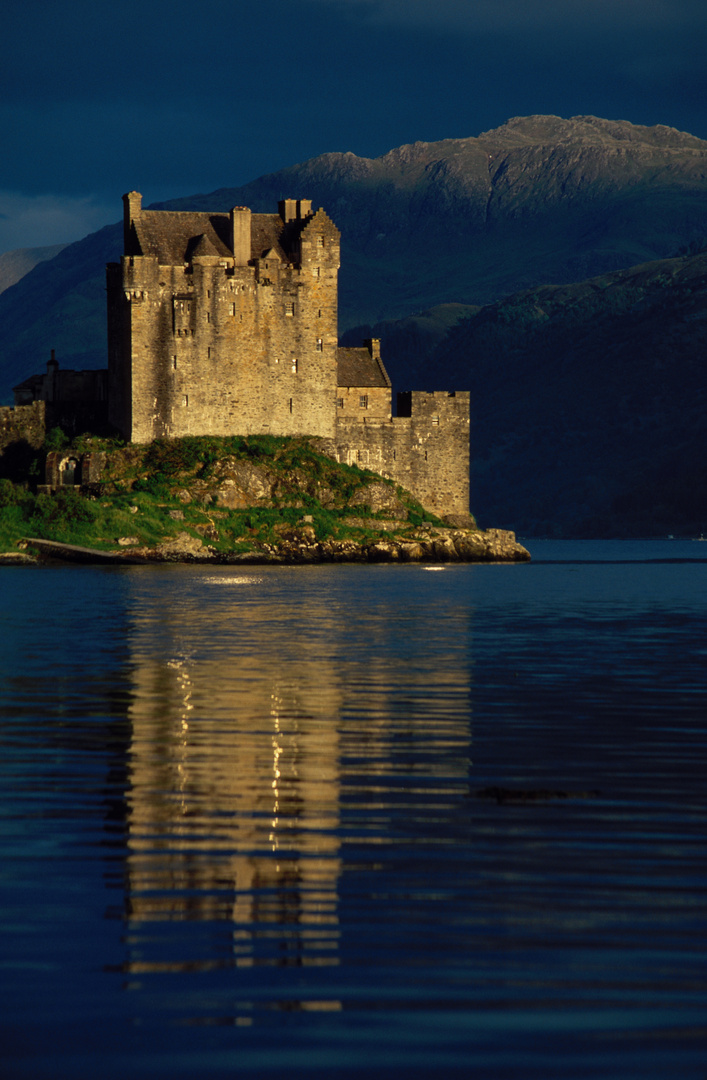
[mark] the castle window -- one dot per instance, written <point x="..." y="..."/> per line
<point x="174" y="363"/>
<point x="233" y="309"/>
<point x="320" y="241"/>
<point x="208" y="316"/>
<point x="208" y="352"/>
<point x="319" y="314"/>
<point x="320" y="345"/>
<point x="425" y="455"/>
<point x="186" y="400"/>
<point x="435" y="418"/>
<point x="316" y="272"/>
<point x="294" y="365"/>
<point x="363" y="401"/>
<point x="290" y="308"/>
<point x="290" y="404"/>
<point x="339" y="403"/>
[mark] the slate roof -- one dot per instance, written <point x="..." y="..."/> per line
<point x="201" y="245"/>
<point x="35" y="383"/>
<point x="356" y="367"/>
<point x="173" y="236"/>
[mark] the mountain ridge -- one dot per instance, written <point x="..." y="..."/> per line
<point x="18" y="262"/>
<point x="539" y="199"/>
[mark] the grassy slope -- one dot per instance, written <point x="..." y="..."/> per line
<point x="143" y="496"/>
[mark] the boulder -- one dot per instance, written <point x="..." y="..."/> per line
<point x="182" y="547"/>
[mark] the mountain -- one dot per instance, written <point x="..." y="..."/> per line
<point x="15" y="264"/>
<point x="588" y="403"/>
<point x="463" y="221"/>
<point x="409" y="343"/>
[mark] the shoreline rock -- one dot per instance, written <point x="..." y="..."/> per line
<point x="437" y="544"/>
<point x="434" y="544"/>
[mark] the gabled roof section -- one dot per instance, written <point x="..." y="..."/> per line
<point x="357" y="367"/>
<point x="174" y="237"/>
<point x="202" y="246"/>
<point x="34" y="383"/>
<point x="170" y="234"/>
<point x="267" y="235"/>
<point x="320" y="222"/>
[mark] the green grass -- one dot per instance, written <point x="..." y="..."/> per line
<point x="140" y="488"/>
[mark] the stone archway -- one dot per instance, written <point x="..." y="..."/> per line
<point x="69" y="472"/>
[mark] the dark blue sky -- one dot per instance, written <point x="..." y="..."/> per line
<point x="173" y="98"/>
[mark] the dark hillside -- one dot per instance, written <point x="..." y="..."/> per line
<point x="588" y="403"/>
<point x="15" y="264"/>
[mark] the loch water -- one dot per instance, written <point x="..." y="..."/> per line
<point x="356" y="821"/>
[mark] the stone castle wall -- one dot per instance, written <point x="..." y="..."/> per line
<point x="23" y="424"/>
<point x="426" y="451"/>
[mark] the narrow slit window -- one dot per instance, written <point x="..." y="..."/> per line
<point x="320" y="345"/>
<point x="339" y="403"/>
<point x="290" y="404"/>
<point x="294" y="365"/>
<point x="435" y="418"/>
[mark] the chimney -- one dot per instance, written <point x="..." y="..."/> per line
<point x="132" y="208"/>
<point x="288" y="209"/>
<point x="374" y="347"/>
<point x="240" y="235"/>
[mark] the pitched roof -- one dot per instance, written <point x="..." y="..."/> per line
<point x="169" y="234"/>
<point x="356" y="367"/>
<point x="175" y="236"/>
<point x="34" y="383"/>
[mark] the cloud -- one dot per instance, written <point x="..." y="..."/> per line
<point x="43" y="220"/>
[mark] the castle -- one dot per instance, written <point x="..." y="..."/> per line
<point x="226" y="323"/>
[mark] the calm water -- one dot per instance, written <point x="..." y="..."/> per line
<point x="241" y="834"/>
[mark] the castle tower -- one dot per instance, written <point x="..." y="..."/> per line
<point x="224" y="323"/>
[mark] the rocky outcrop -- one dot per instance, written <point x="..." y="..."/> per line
<point x="298" y="546"/>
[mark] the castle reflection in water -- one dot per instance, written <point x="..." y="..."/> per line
<point x="246" y="721"/>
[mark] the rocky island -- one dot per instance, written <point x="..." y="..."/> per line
<point x="257" y="499"/>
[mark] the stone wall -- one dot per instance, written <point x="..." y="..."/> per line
<point x="65" y="468"/>
<point x="426" y="451"/>
<point x="22" y="424"/>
